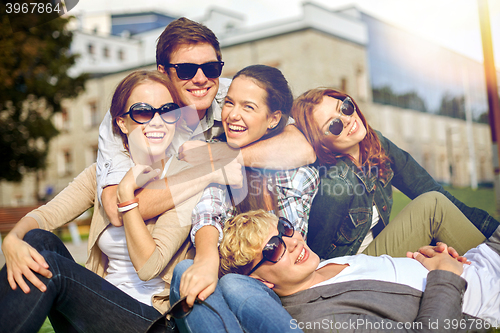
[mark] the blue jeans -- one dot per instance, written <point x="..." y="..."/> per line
<point x="76" y="299"/>
<point x="257" y="307"/>
<point x="244" y="303"/>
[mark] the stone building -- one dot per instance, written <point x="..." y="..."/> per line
<point x="319" y="48"/>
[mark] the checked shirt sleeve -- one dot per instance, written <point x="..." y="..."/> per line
<point x="297" y="189"/>
<point x="210" y="210"/>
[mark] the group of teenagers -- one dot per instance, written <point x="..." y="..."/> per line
<point x="227" y="206"/>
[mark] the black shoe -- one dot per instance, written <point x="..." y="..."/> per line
<point x="163" y="325"/>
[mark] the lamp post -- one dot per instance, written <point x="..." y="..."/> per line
<point x="492" y="89"/>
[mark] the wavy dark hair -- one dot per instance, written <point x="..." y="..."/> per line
<point x="371" y="152"/>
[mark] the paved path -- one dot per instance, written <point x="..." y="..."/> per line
<point x="78" y="252"/>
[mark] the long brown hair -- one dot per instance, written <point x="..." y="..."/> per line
<point x="371" y="152"/>
<point x="278" y="97"/>
<point x="125" y="88"/>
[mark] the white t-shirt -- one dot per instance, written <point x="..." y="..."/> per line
<point x="369" y="236"/>
<point x="121" y="271"/>
<point x="481" y="299"/>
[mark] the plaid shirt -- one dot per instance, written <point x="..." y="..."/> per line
<point x="296" y="189"/>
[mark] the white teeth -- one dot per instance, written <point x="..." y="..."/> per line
<point x="353" y="127"/>
<point x="236" y="127"/>
<point x="301" y="255"/>
<point x="199" y="92"/>
<point x="155" y="135"/>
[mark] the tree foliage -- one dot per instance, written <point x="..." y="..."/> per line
<point x="452" y="106"/>
<point x="34" y="79"/>
<point x="408" y="100"/>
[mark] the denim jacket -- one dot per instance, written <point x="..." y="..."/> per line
<point x="341" y="213"/>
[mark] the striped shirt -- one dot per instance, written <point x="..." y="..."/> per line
<point x="295" y="190"/>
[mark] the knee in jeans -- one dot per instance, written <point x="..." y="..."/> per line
<point x="39" y="235"/>
<point x="236" y="284"/>
<point x="179" y="269"/>
<point x="241" y="291"/>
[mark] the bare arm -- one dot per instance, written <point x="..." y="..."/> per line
<point x="140" y="243"/>
<point x="177" y="188"/>
<point x="201" y="278"/>
<point x="288" y="150"/>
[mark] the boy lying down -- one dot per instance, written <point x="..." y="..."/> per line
<point x="355" y="293"/>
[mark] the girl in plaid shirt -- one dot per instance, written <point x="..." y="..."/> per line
<point x="256" y="107"/>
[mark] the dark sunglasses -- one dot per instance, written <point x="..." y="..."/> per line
<point x="179" y="310"/>
<point x="337" y="125"/>
<point x="275" y="248"/>
<point x="143" y="113"/>
<point x="187" y="71"/>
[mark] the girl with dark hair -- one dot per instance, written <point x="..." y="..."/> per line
<point x="257" y="106"/>
<point x="126" y="282"/>
<point x="358" y="167"/>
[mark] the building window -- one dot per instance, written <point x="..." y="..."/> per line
<point x="362" y="83"/>
<point x="94" y="117"/>
<point x="65" y="163"/>
<point x="65" y="119"/>
<point x="121" y="55"/>
<point x="91" y="154"/>
<point x="105" y="52"/>
<point x="343" y="84"/>
<point x="90" y="48"/>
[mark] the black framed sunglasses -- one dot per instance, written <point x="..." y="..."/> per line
<point x="275" y="248"/>
<point x="337" y="125"/>
<point x="143" y="113"/>
<point x="187" y="71"/>
<point x="179" y="310"/>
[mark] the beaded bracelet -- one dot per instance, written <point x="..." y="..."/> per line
<point x="127" y="208"/>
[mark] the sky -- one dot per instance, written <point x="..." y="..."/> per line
<point x="451" y="23"/>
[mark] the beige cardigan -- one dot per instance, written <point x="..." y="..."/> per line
<point x="170" y="232"/>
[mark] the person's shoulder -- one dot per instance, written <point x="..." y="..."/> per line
<point x="224" y="84"/>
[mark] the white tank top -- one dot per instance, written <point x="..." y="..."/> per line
<point x="121" y="271"/>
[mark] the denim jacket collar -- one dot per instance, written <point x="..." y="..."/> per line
<point x="368" y="180"/>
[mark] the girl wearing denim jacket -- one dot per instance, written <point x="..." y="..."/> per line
<point x="358" y="167"/>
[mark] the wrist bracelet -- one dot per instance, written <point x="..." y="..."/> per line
<point x="127" y="208"/>
<point x="126" y="203"/>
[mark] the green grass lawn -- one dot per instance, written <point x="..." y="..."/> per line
<point x="483" y="198"/>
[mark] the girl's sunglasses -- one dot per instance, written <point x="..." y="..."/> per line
<point x="337" y="125"/>
<point x="275" y="248"/>
<point x="143" y="113"/>
<point x="187" y="71"/>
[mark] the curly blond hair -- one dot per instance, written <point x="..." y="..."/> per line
<point x="243" y="238"/>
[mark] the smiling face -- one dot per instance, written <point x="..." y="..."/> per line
<point x="199" y="91"/>
<point x="153" y="138"/>
<point x="245" y="114"/>
<point x="354" y="131"/>
<point x="295" y="271"/>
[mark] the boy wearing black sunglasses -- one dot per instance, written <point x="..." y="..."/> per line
<point x="360" y="292"/>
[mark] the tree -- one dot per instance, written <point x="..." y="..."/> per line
<point x="33" y="81"/>
<point x="452" y="106"/>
